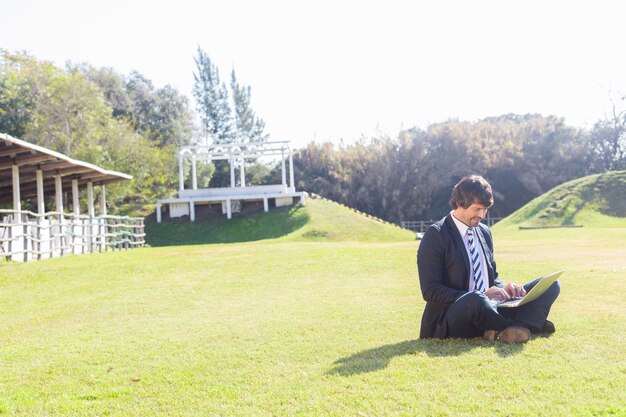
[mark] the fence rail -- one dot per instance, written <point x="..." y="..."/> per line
<point x="26" y="236"/>
<point x="420" y="226"/>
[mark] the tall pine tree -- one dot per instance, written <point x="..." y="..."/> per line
<point x="212" y="98"/>
<point x="248" y="127"/>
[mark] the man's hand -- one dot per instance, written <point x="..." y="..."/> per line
<point x="497" y="293"/>
<point x="509" y="291"/>
<point x="514" y="290"/>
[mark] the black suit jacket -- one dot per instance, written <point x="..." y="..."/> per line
<point x="444" y="271"/>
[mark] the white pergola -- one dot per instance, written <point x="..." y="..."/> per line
<point x="30" y="171"/>
<point x="236" y="155"/>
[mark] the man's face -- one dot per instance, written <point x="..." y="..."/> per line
<point x="472" y="215"/>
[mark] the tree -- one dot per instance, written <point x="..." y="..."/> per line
<point x="22" y="79"/>
<point x="63" y="110"/>
<point x="608" y="140"/>
<point x="212" y="98"/>
<point x="162" y="115"/>
<point x="113" y="87"/>
<point x="248" y="127"/>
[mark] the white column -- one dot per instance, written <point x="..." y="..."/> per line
<point x="229" y="212"/>
<point x="75" y="201"/>
<point x="181" y="180"/>
<point x="158" y="212"/>
<point x="90" y="209"/>
<point x="192" y="211"/>
<point x="77" y="233"/>
<point x="103" y="211"/>
<point x="91" y="227"/>
<point x="291" y="181"/>
<point x="265" y="205"/>
<point x="41" y="208"/>
<point x="58" y="197"/>
<point x="232" y="172"/>
<point x="284" y="170"/>
<point x="17" y="200"/>
<point x="103" y="200"/>
<point x="242" y="173"/>
<point x="58" y="193"/>
<point x="194" y="178"/>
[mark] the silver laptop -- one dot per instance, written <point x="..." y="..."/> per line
<point x="535" y="292"/>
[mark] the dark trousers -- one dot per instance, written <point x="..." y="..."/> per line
<point x="473" y="313"/>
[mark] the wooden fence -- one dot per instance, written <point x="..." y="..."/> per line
<point x="26" y="236"/>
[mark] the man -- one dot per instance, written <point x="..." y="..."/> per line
<point x="459" y="280"/>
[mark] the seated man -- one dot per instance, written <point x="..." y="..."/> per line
<point x="459" y="280"/>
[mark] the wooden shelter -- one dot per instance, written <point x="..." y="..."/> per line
<point x="31" y="172"/>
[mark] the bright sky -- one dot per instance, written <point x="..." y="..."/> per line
<point x="331" y="69"/>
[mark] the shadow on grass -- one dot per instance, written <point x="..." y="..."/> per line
<point x="244" y="228"/>
<point x="378" y="358"/>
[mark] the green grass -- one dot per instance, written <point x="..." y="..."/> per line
<point x="318" y="220"/>
<point x="304" y="325"/>
<point x="593" y="201"/>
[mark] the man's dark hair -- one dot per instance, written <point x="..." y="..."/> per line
<point x="471" y="189"/>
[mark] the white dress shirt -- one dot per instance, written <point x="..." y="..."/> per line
<point x="481" y="255"/>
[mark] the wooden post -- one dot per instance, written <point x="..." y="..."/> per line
<point x="103" y="210"/>
<point x="75" y="220"/>
<point x="17" y="206"/>
<point x="58" y="197"/>
<point x="41" y="210"/>
<point x="91" y="212"/>
<point x="17" y="201"/>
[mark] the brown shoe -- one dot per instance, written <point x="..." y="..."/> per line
<point x="512" y="334"/>
<point x="548" y="327"/>
<point x="490" y="335"/>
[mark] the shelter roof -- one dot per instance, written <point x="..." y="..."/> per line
<point x="30" y="158"/>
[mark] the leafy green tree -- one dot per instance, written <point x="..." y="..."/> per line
<point x="63" y="110"/>
<point x="410" y="177"/>
<point x="22" y="81"/>
<point x="112" y="85"/>
<point x="162" y="115"/>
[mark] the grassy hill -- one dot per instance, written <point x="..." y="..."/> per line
<point x="592" y="201"/>
<point x="318" y="220"/>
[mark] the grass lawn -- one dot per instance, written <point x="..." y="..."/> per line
<point x="301" y="326"/>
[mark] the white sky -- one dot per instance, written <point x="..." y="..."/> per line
<point x="330" y="69"/>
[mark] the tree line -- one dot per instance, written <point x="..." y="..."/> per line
<point x="410" y="177"/>
<point x="125" y="123"/>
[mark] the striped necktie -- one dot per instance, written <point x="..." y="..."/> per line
<point x="475" y="255"/>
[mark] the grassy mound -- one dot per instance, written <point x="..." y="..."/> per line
<point x="593" y="201"/>
<point x="318" y="220"/>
